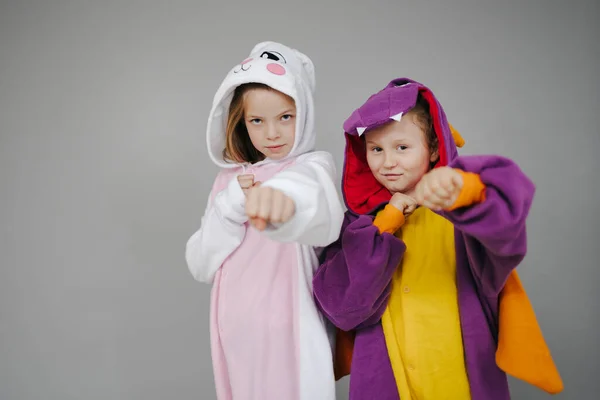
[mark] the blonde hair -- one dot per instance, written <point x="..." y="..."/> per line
<point x="238" y="146"/>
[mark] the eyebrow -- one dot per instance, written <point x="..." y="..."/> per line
<point x="287" y="111"/>
<point x="402" y="139"/>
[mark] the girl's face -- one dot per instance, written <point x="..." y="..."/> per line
<point x="270" y="117"/>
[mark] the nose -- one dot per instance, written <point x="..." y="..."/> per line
<point x="272" y="133"/>
<point x="389" y="161"/>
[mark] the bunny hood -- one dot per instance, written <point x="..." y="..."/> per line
<point x="280" y="67"/>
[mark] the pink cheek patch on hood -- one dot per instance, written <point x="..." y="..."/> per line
<point x="276" y="69"/>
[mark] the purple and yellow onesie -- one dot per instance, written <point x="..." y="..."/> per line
<point x="431" y="303"/>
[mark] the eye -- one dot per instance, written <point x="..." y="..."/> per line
<point x="255" y="121"/>
<point x="376" y="149"/>
<point x="402" y="147"/>
<point x="287" y="117"/>
<point x="273" y="55"/>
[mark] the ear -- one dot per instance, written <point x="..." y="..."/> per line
<point x="308" y="67"/>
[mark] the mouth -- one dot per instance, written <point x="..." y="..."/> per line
<point x="392" y="177"/>
<point x="275" y="148"/>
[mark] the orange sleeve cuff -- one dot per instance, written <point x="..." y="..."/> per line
<point x="472" y="192"/>
<point x="389" y="220"/>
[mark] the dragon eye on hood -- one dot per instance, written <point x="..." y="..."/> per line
<point x="273" y="55"/>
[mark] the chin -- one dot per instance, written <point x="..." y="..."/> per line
<point x="391" y="187"/>
<point x="400" y="189"/>
<point x="397" y="188"/>
<point x="277" y="157"/>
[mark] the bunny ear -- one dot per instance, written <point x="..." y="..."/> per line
<point x="308" y="67"/>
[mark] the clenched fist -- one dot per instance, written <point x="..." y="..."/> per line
<point x="404" y="203"/>
<point x="246" y="181"/>
<point x="439" y="188"/>
<point x="267" y="205"/>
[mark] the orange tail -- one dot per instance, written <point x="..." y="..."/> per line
<point x="522" y="351"/>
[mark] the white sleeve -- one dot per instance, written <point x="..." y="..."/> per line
<point x="319" y="211"/>
<point x="221" y="231"/>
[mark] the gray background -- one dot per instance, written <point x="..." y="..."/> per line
<point x="104" y="172"/>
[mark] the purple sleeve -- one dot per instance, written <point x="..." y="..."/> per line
<point x="352" y="285"/>
<point x="494" y="231"/>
